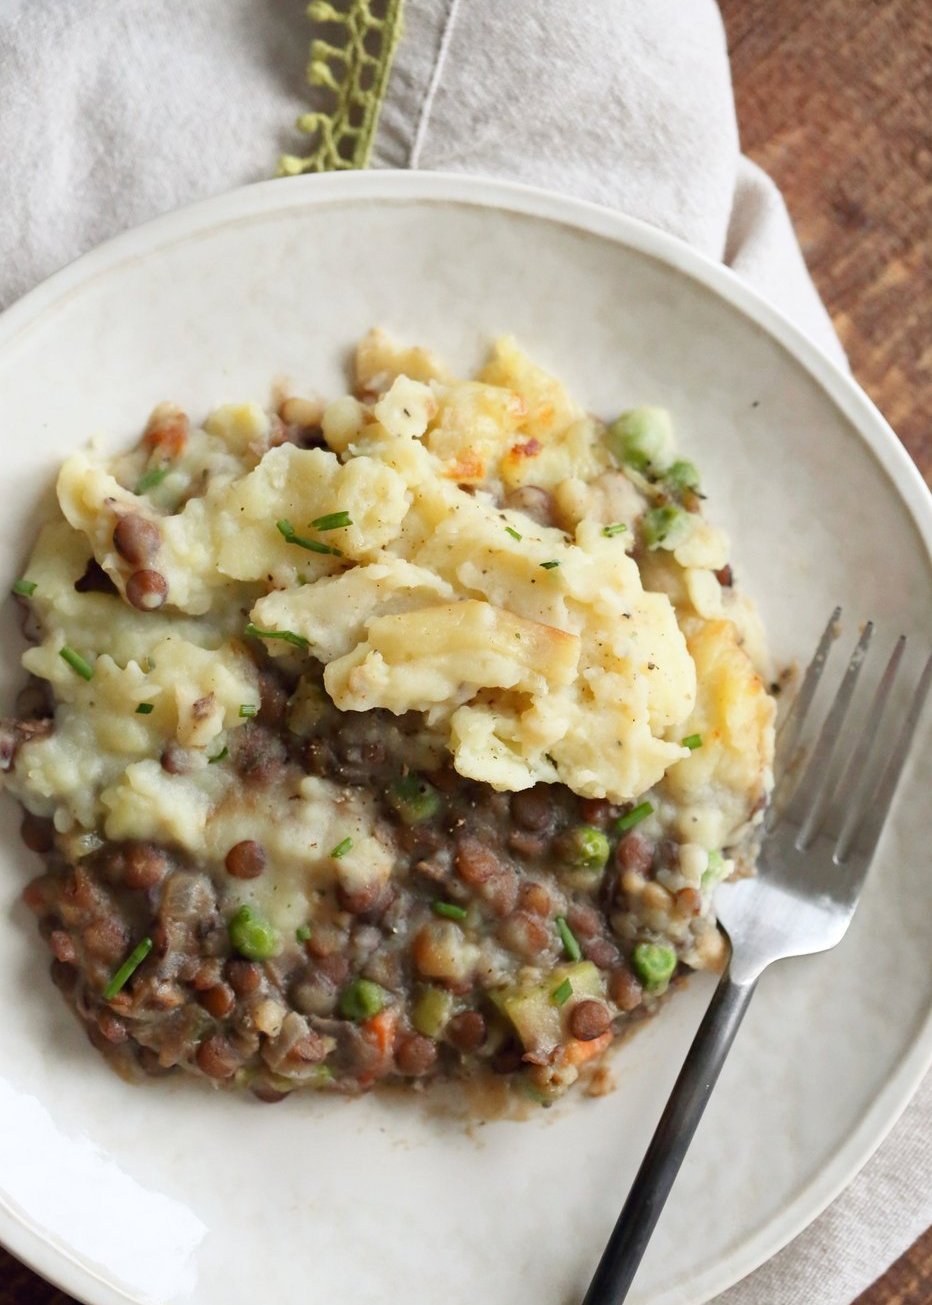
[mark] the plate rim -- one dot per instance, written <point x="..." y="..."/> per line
<point x="17" y="1233"/>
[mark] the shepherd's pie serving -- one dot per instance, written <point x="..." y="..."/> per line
<point x="387" y="739"/>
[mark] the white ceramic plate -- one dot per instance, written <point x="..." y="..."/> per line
<point x="169" y="1194"/>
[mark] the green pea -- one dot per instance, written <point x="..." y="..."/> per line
<point x="585" y="848"/>
<point x="682" y="475"/>
<point x="414" y="800"/>
<point x="253" y="936"/>
<point x="663" y="526"/>
<point x="642" y="439"/>
<point x="653" y="964"/>
<point x="361" y="999"/>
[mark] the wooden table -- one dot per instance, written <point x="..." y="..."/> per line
<point x="834" y="100"/>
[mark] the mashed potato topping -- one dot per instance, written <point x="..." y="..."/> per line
<point x="535" y="650"/>
<point x="534" y="596"/>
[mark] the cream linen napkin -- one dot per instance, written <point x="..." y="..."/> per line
<point x="111" y="113"/>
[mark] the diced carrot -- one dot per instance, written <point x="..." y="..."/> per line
<point x="529" y="449"/>
<point x="380" y="1029"/>
<point x="468" y="467"/>
<point x="577" y="1053"/>
<point x="167" y="433"/>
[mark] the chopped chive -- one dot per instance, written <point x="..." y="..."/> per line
<point x="562" y="994"/>
<point x="303" y="932"/>
<point x="610" y="531"/>
<point x="25" y="588"/>
<point x="220" y="756"/>
<point x="640" y="812"/>
<point x="341" y="848"/>
<point x="150" y="479"/>
<point x="247" y="709"/>
<point x="449" y="910"/>
<point x="692" y="741"/>
<point x="145" y="709"/>
<point x="80" y="665"/>
<point x="568" y="939"/>
<point x="548" y="566"/>
<point x="332" y="521"/>
<point x="128" y="968"/>
<point x="289" y="636"/>
<point x="287" y="532"/>
<point x="510" y="530"/>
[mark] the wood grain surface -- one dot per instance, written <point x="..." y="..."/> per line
<point x="835" y="101"/>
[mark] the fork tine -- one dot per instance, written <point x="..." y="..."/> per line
<point x="793" y="722"/>
<point x="866" y="833"/>
<point x="803" y="701"/>
<point x="813" y="786"/>
<point x="854" y="785"/>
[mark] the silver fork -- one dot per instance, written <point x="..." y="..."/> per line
<point x="821" y="831"/>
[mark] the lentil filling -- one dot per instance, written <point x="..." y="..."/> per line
<point x="507" y="936"/>
<point x="400" y="739"/>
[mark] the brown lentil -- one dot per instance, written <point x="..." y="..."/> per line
<point x="415" y="1056"/>
<point x="244" y="977"/>
<point x="217" y="1058"/>
<point x="531" y="846"/>
<point x="146" y="590"/>
<point x="532" y="809"/>
<point x="467" y="1030"/>
<point x="106" y="938"/>
<point x="362" y="901"/>
<point x="37" y="834"/>
<point x="597" y="812"/>
<point x="207" y="974"/>
<point x="62" y="946"/>
<point x="525" y="934"/>
<point x="245" y="860"/>
<point x="625" y="991"/>
<point x="144" y="865"/>
<point x="588" y="1020"/>
<point x="634" y="852"/>
<point x="534" y="898"/>
<point x="479" y="867"/>
<point x="112" y="1027"/>
<point x="334" y="968"/>
<point x="218" y="1001"/>
<point x="584" y="920"/>
<point x="601" y="952"/>
<point x="136" y="539"/>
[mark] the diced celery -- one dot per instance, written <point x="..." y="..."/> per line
<point x="432" y="1011"/>
<point x="538" y="1022"/>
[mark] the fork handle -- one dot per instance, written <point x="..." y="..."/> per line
<point x="661" y="1164"/>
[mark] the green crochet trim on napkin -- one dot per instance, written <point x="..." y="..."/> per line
<point x="353" y="74"/>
